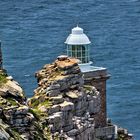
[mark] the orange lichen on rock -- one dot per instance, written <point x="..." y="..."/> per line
<point x="65" y="62"/>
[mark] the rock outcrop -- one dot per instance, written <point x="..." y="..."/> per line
<point x="64" y="101"/>
<point x="16" y="119"/>
<point x="62" y="108"/>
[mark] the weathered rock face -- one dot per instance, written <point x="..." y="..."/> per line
<point x="63" y="107"/>
<point x="64" y="100"/>
<point x="12" y="89"/>
<point x="124" y="135"/>
<point x="16" y="119"/>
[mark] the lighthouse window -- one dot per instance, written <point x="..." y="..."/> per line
<point x="80" y="52"/>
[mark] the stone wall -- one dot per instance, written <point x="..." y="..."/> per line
<point x="98" y="79"/>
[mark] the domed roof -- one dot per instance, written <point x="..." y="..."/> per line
<point x="77" y="37"/>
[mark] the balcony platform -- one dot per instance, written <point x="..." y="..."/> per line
<point x="91" y="72"/>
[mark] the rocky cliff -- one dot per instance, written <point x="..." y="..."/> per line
<point x="16" y="119"/>
<point x="62" y="106"/>
<point x="65" y="100"/>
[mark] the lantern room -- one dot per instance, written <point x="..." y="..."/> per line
<point x="78" y="45"/>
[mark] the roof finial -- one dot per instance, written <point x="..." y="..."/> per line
<point x="77" y="24"/>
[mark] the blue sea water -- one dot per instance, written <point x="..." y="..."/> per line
<point x="33" y="32"/>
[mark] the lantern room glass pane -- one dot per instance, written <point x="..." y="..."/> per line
<point x="80" y="52"/>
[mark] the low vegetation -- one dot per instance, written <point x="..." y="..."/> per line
<point x="3" y="78"/>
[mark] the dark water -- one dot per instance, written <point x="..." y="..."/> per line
<point x="33" y="32"/>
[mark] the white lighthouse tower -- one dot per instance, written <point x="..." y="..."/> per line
<point x="78" y="46"/>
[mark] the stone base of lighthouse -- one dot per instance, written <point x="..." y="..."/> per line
<point x="97" y="77"/>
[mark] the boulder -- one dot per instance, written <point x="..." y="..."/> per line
<point x="12" y="89"/>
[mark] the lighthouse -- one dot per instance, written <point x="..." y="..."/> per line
<point x="78" y="46"/>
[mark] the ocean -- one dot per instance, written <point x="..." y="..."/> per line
<point x="33" y="34"/>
